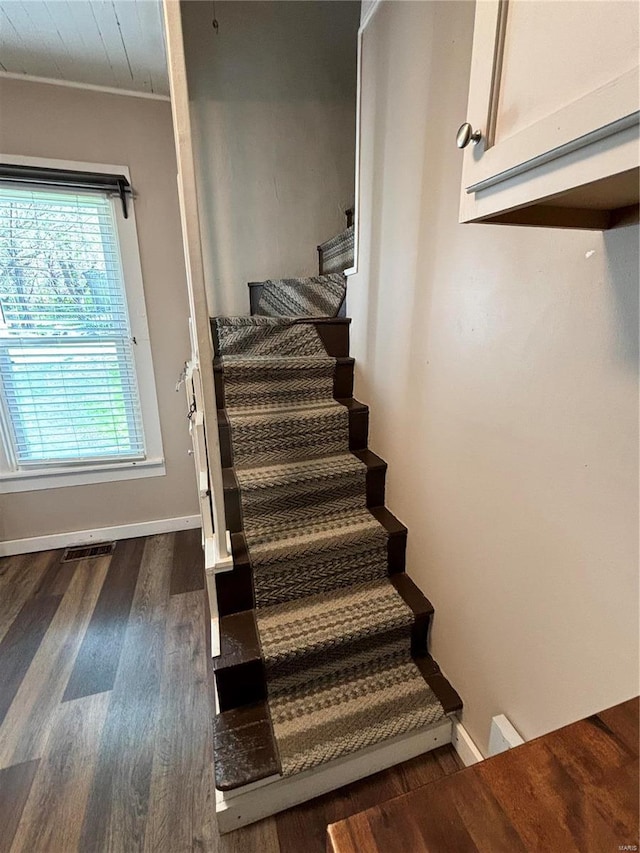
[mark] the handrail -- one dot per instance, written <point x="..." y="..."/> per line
<point x="201" y="342"/>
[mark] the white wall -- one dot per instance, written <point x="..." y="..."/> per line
<point x="49" y="121"/>
<point x="273" y="109"/>
<point x="501" y="367"/>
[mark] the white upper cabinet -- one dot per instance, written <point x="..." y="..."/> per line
<point x="551" y="131"/>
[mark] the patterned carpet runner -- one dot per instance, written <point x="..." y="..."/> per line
<point x="334" y="633"/>
<point x="317" y="296"/>
<point x="337" y="253"/>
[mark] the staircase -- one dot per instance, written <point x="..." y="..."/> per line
<point x="323" y="637"/>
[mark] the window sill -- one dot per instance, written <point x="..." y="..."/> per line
<point x="56" y="478"/>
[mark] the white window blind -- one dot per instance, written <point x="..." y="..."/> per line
<point x="67" y="370"/>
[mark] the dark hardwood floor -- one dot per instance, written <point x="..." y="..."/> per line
<point x="575" y="789"/>
<point x="105" y="735"/>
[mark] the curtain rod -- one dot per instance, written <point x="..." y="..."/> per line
<point x="69" y="179"/>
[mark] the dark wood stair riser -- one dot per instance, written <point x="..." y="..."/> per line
<point x="241" y="685"/>
<point x="334" y="334"/>
<point x="422" y="609"/>
<point x="358" y="431"/>
<point x="239" y="670"/>
<point x="445" y="693"/>
<point x="342" y="380"/>
<point x="376" y="476"/>
<point x="235" y="588"/>
<point x="420" y="634"/>
<point x="376" y="472"/>
<point x="397" y="542"/>
<point x="397" y="552"/>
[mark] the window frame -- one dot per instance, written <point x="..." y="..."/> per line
<point x="16" y="479"/>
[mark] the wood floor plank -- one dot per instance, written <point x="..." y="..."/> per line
<point x="352" y="837"/>
<point x="427" y="768"/>
<point x="151" y="598"/>
<point x="563" y="775"/>
<point x="19" y="576"/>
<point x="182" y="812"/>
<point x="310" y="820"/>
<point x="443" y="826"/>
<point x="57" y="576"/>
<point x="260" y="837"/>
<point x="448" y="759"/>
<point x="118" y="803"/>
<point x="52" y="817"/>
<point x="15" y="784"/>
<point x="26" y="725"/>
<point x="20" y="643"/>
<point x="624" y="719"/>
<point x="188" y="562"/>
<point x="97" y="661"/>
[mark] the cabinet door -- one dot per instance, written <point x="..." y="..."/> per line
<point x="549" y="78"/>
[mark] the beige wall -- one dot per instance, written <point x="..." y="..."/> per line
<point x="500" y="364"/>
<point x="42" y="120"/>
<point x="274" y="126"/>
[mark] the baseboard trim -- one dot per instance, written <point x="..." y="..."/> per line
<point x="464" y="745"/>
<point x="255" y="802"/>
<point x="97" y="534"/>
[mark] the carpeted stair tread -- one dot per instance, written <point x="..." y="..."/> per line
<point x="294" y="433"/>
<point x="365" y="545"/>
<point x="322" y="722"/>
<point x="279" y="497"/>
<point x="264" y="336"/>
<point x="300" y="471"/>
<point x="299" y="628"/>
<point x="261" y="382"/>
<point x="322" y="638"/>
<point x="314" y="296"/>
<point x="246" y="750"/>
<point x="316" y="638"/>
<point x="337" y="253"/>
<point x="311" y="534"/>
<point x="351" y="548"/>
<point x="394" y="602"/>
<point x="306" y="540"/>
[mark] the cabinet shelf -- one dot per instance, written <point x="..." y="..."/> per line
<point x="554" y="101"/>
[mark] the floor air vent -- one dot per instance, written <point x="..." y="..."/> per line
<point x="85" y="552"/>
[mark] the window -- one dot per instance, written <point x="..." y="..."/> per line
<point x="77" y="398"/>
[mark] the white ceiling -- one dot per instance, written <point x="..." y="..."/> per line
<point x="115" y="43"/>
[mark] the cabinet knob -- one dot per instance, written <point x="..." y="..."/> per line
<point x="467" y="134"/>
